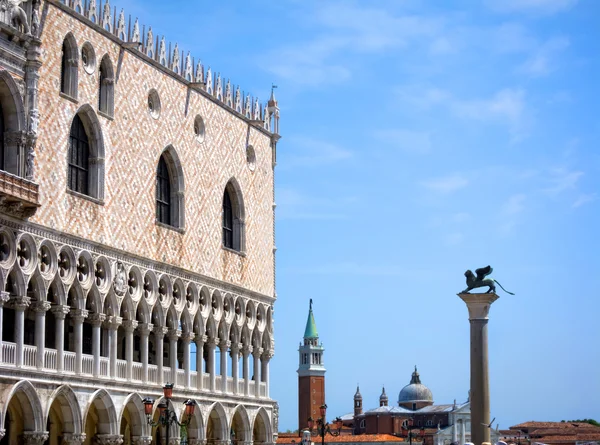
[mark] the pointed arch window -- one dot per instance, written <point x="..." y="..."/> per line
<point x="106" y="87"/>
<point x="68" y="67"/>
<point x="233" y="218"/>
<point x="163" y="193"/>
<point x="79" y="158"/>
<point x="85" y="158"/>
<point x="170" y="190"/>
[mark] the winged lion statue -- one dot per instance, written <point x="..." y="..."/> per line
<point x="479" y="279"/>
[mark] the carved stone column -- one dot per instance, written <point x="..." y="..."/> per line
<point x="256" y="354"/>
<point x="129" y="326"/>
<point x="20" y="304"/>
<point x="113" y="322"/>
<point x="246" y="351"/>
<point x="224" y="346"/>
<point x="479" y="307"/>
<point x="96" y="320"/>
<point x="265" y="359"/>
<point x="212" y="344"/>
<point x="60" y="312"/>
<point x="144" y="329"/>
<point x="40" y="331"/>
<point x="159" y="335"/>
<point x="186" y="339"/>
<point x="235" y="364"/>
<point x="200" y="340"/>
<point x="35" y="437"/>
<point x="73" y="439"/>
<point x="174" y="335"/>
<point x="4" y="297"/>
<point x="78" y="315"/>
<point x="108" y="439"/>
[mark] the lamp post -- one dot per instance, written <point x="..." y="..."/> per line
<point x="410" y="427"/>
<point x="167" y="415"/>
<point x="323" y="427"/>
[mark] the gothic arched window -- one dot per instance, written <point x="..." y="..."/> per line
<point x="85" y="157"/>
<point x="163" y="193"/>
<point x="79" y="157"/>
<point x="233" y="217"/>
<point x="68" y="67"/>
<point x="169" y="190"/>
<point x="106" y="101"/>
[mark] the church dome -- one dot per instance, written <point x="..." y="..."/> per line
<point x="415" y="391"/>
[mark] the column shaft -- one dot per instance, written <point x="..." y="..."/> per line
<point x="480" y="385"/>
<point x="256" y="356"/>
<point x="40" y="332"/>
<point x="235" y="358"/>
<point x="19" y="334"/>
<point x="223" y="347"/>
<point x="199" y="362"/>
<point x="211" y="365"/>
<point x="246" y="371"/>
<point x="159" y="339"/>
<point x="59" y="315"/>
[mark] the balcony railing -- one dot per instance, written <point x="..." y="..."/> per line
<point x="18" y="196"/>
<point x="8" y="354"/>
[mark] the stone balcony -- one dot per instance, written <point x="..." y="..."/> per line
<point x="190" y="381"/>
<point x="18" y="196"/>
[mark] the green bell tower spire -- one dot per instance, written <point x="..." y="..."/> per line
<point x="311" y="326"/>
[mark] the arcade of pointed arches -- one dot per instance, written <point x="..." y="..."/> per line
<point x="58" y="418"/>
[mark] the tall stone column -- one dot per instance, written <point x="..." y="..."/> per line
<point x="173" y="337"/>
<point x="256" y="354"/>
<point x="96" y="320"/>
<point x="264" y="372"/>
<point x="212" y="344"/>
<point x="60" y="312"/>
<point x="479" y="307"/>
<point x="78" y="316"/>
<point x="224" y="346"/>
<point x="246" y="351"/>
<point x="129" y="326"/>
<point x="20" y="304"/>
<point x="40" y="331"/>
<point x="159" y="335"/>
<point x="4" y="297"/>
<point x="235" y="359"/>
<point x="186" y="338"/>
<point x="113" y="322"/>
<point x="144" y="330"/>
<point x="200" y="340"/>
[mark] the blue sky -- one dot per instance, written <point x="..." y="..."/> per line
<point x="421" y="139"/>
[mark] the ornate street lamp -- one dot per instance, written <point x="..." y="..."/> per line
<point x="409" y="430"/>
<point x="167" y="416"/>
<point x="323" y="427"/>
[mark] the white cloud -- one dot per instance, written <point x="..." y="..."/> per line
<point x="585" y="199"/>
<point x="530" y="6"/>
<point x="514" y="205"/>
<point x="406" y="140"/>
<point x="309" y="152"/>
<point x="543" y="60"/>
<point x="562" y="179"/>
<point x="446" y="184"/>
<point x="292" y="204"/>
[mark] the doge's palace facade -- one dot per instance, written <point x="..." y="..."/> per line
<point x="136" y="235"/>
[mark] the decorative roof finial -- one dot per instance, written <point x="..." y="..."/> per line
<point x="310" y="305"/>
<point x="415" y="377"/>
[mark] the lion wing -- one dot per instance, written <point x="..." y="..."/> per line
<point x="483" y="272"/>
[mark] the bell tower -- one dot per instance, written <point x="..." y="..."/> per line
<point x="311" y="374"/>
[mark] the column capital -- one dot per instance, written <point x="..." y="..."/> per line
<point x="160" y="331"/>
<point x="42" y="306"/>
<point x="108" y="439"/>
<point x="60" y="311"/>
<point x="145" y="329"/>
<point x="73" y="439"/>
<point x="236" y="347"/>
<point x="174" y="440"/>
<point x="142" y="440"/>
<point x="174" y="334"/>
<point x="35" y="437"/>
<point x="257" y="352"/>
<point x="196" y="442"/>
<point x="20" y="303"/>
<point x="478" y="304"/>
<point x="224" y="344"/>
<point x="130" y="325"/>
<point x="96" y="318"/>
<point x="79" y="315"/>
<point x="187" y="336"/>
<point x="247" y="350"/>
<point x="200" y="340"/>
<point x="4" y="297"/>
<point x="113" y="322"/>
<point x="212" y="341"/>
<point x="268" y="354"/>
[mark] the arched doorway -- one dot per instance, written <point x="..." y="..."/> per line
<point x="240" y="427"/>
<point x="22" y="413"/>
<point x="64" y="416"/>
<point x="133" y="421"/>
<point x="260" y="430"/>
<point x="100" y="418"/>
<point x="216" y="425"/>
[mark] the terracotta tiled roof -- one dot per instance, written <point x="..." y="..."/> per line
<point x="571" y="438"/>
<point x="346" y="438"/>
<point x="533" y="424"/>
<point x="565" y="431"/>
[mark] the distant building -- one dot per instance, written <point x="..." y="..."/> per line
<point x="550" y="433"/>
